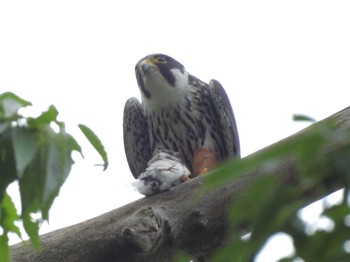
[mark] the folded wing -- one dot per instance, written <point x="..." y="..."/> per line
<point x="226" y="118"/>
<point x="136" y="138"/>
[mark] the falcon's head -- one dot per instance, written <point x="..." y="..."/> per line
<point x="161" y="79"/>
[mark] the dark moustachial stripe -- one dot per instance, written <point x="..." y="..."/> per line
<point x="172" y="63"/>
<point x="164" y="69"/>
<point x="168" y="75"/>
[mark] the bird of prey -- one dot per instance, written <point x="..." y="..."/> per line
<point x="182" y="128"/>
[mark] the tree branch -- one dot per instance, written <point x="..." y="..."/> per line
<point x="184" y="219"/>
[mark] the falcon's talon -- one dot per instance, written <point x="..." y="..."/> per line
<point x="204" y="171"/>
<point x="185" y="177"/>
<point x="183" y="123"/>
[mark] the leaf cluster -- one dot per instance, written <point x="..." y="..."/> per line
<point x="39" y="158"/>
<point x="270" y="207"/>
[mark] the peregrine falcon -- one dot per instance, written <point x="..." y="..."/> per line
<point x="183" y="128"/>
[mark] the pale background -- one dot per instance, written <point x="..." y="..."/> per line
<point x="274" y="58"/>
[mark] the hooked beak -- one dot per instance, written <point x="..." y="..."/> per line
<point x="146" y="65"/>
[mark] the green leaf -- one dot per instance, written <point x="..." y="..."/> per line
<point x="4" y="126"/>
<point x="44" y="176"/>
<point x="59" y="163"/>
<point x="236" y="248"/>
<point x="300" y="117"/>
<point x="32" y="228"/>
<point x="24" y="146"/>
<point x="4" y="248"/>
<point x="269" y="207"/>
<point x="181" y="257"/>
<point x="10" y="104"/>
<point x="96" y="143"/>
<point x="338" y="212"/>
<point x="73" y="144"/>
<point x="32" y="181"/>
<point x="8" y="215"/>
<point x="7" y="162"/>
<point x="40" y="158"/>
<point x="44" y="119"/>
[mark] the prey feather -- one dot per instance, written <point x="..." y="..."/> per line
<point x="163" y="171"/>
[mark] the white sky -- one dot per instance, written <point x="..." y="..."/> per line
<point x="274" y="58"/>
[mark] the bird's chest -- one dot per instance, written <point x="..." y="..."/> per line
<point x="179" y="127"/>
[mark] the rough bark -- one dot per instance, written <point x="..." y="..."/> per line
<point x="156" y="228"/>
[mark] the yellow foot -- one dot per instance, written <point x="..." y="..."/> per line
<point x="185" y="178"/>
<point x="204" y="171"/>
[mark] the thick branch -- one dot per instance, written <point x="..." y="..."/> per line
<point x="156" y="228"/>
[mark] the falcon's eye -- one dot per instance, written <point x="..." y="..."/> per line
<point x="160" y="60"/>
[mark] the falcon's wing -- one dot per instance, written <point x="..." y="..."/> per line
<point x="136" y="139"/>
<point x="226" y="118"/>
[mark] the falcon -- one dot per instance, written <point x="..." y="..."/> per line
<point x="182" y="128"/>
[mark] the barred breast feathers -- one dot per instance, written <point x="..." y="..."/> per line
<point x="184" y="125"/>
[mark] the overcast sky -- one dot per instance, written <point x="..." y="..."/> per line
<point x="274" y="58"/>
